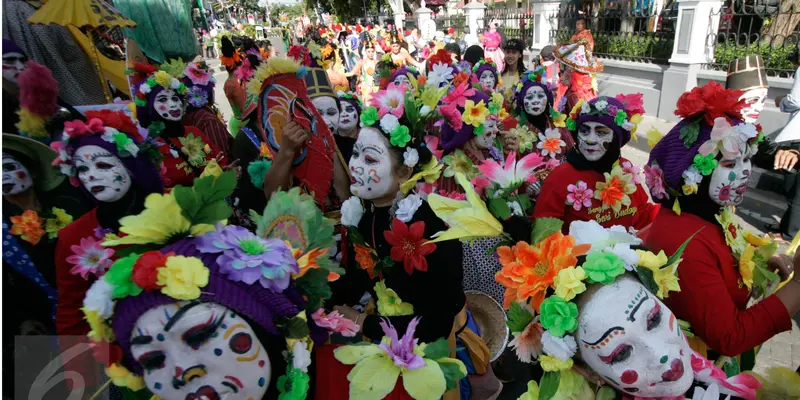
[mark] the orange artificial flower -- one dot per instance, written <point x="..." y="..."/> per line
<point x="462" y="77"/>
<point x="528" y="271"/>
<point x="614" y="191"/>
<point x="28" y="226"/>
<point x="365" y="259"/>
<point x="327" y="51"/>
<point x="263" y="151"/>
<point x="422" y="80"/>
<point x="231" y="61"/>
<point x="307" y="261"/>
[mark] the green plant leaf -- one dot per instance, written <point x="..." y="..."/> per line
<point x="646" y="276"/>
<point x="689" y="134"/>
<point x="679" y="252"/>
<point x="518" y="318"/>
<point x="606" y="393"/>
<point x="452" y="374"/>
<point x="204" y="202"/>
<point x="549" y="385"/>
<point x="544" y="227"/>
<point x="314" y="285"/>
<point x="499" y="208"/>
<point x="686" y="328"/>
<point x="295" y="328"/>
<point x="438" y="349"/>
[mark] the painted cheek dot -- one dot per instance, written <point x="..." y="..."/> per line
<point x="160" y="337"/>
<point x="218" y="352"/>
<point x="664" y="359"/>
<point x="241" y="343"/>
<point x="629" y="377"/>
<point x="261" y="382"/>
<point x="261" y="363"/>
<point x="157" y="386"/>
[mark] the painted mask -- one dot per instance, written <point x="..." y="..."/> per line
<point x="193" y="350"/>
<point x="16" y="178"/>
<point x="169" y="105"/>
<point x="329" y="110"/>
<point x="535" y="101"/>
<point x="594" y="139"/>
<point x="102" y="173"/>
<point x="402" y="79"/>
<point x="631" y="339"/>
<point x="13" y="65"/>
<point x="348" y="119"/>
<point x="488" y="80"/>
<point x="754" y="101"/>
<point x="371" y="166"/>
<point x="486" y="140"/>
<point x="729" y="180"/>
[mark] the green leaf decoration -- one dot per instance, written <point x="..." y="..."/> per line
<point x="355" y="236"/>
<point x="499" y="208"/>
<point x="767" y="251"/>
<point x="549" y="385"/>
<point x="646" y="276"/>
<point x="411" y="110"/>
<point x="204" y="202"/>
<point x="689" y="134"/>
<point x="295" y="328"/>
<point x="606" y="393"/>
<point x="314" y="286"/>
<point x="678" y="253"/>
<point x="452" y="374"/>
<point x="686" y="328"/>
<point x="518" y="318"/>
<point x="545" y="227"/>
<point x="524" y="202"/>
<point x="438" y="349"/>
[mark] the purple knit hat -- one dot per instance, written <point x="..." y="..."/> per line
<point x="403" y="71"/>
<point x="11" y="47"/>
<point x="606" y="118"/>
<point x="672" y="156"/>
<point x="146" y="114"/>
<point x="520" y="95"/>
<point x="449" y="138"/>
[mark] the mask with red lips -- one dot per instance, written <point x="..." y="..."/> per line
<point x="729" y="180"/>
<point x="102" y="174"/>
<point x="168" y="105"/>
<point x="16" y="178"/>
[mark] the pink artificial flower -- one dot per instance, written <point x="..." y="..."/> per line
<point x="459" y="95"/>
<point x="58" y="147"/>
<point x="390" y="100"/>
<point x="90" y="257"/>
<point x="479" y="182"/>
<point x="513" y="173"/>
<point x="78" y="128"/>
<point x="630" y="168"/>
<point x="742" y="385"/>
<point x="335" y="322"/>
<point x="634" y="103"/>
<point x="579" y="195"/>
<point x="426" y="188"/>
<point x="401" y="351"/>
<point x="432" y="142"/>
<point x="654" y="178"/>
<point x="245" y="71"/>
<point x="197" y="75"/>
<point x="452" y="116"/>
<point x="528" y="344"/>
<point x="552" y="163"/>
<point x="454" y="195"/>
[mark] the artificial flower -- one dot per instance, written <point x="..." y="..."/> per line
<point x="601" y="238"/>
<point x="603" y="267"/>
<point x="90" y="257"/>
<point x="182" y="277"/>
<point x="650" y="260"/>
<point x="161" y="220"/>
<point x="106" y="353"/>
<point x="654" y="178"/>
<point x="466" y="219"/>
<point x="121" y="377"/>
<point x="197" y="97"/>
<point x="461" y="78"/>
<point x="301" y="357"/>
<point x="722" y="139"/>
<point x="369" y="116"/>
<point x="98" y="299"/>
<point x="747" y="265"/>
<point x="352" y="211"/>
<point x="745" y="132"/>
<point x="335" y="322"/>
<point x="410" y="157"/>
<point x="293" y="385"/>
<point x="559" y="316"/>
<point x="458" y="162"/>
<point x="512" y="173"/>
<point x="59" y="221"/>
<point x="389" y="123"/>
<point x="407" y="207"/>
<point x="429" y="173"/>
<point x="569" y="282"/>
<point x="585" y="108"/>
<point x="527" y="344"/>
<point x="400" y="136"/>
<point x="559" y="119"/>
<point x="145" y="269"/>
<point x="502" y="115"/>
<point x="692" y="176"/>
<point x="391" y="100"/>
<point x="197" y="75"/>
<point x="440" y="73"/>
<point x="620" y="118"/>
<point x="409" y="245"/>
<point x="390" y="304"/>
<point x="704" y="164"/>
<point x="459" y="95"/>
<point x="99" y="330"/>
<point x="712" y="100"/>
<point x="532" y="393"/>
<point x="28" y="226"/>
<point x="365" y="257"/>
<point x="515" y="208"/>
<point x="688" y="189"/>
<point x="633" y="170"/>
<point x="562" y="348"/>
<point x="192" y="147"/>
<point x="526" y="137"/>
<point x="550" y="143"/>
<point x="755" y="240"/>
<point x="634" y="103"/>
<point x="120" y="277"/>
<point x="653" y="137"/>
<point x="626" y="254"/>
<point x="667" y="280"/>
<point x="451" y="114"/>
<point x="579" y="195"/>
<point x="125" y="145"/>
<point x="613" y="193"/>
<point x="475" y="114"/>
<point x="553" y="364"/>
<point x="163" y="79"/>
<point x="431" y="96"/>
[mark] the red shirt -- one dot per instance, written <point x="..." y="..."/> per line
<point x="713" y="298"/>
<point x="178" y="170"/>
<point x="552" y="201"/>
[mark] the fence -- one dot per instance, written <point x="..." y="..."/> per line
<point x="765" y="27"/>
<point x="516" y="24"/>
<point x="457" y="22"/>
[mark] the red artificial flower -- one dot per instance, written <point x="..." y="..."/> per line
<point x="440" y="57"/>
<point x="106" y="353"/>
<point x="509" y="123"/>
<point x="300" y="54"/>
<point x="116" y="119"/>
<point x="461" y="78"/>
<point x="713" y="100"/>
<point x="634" y="103"/>
<point x="409" y="245"/>
<point x="145" y="270"/>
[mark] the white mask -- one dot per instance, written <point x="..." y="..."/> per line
<point x="169" y="105"/>
<point x="486" y="140"/>
<point x="348" y="119"/>
<point x="594" y="139"/>
<point x="729" y="180"/>
<point x="535" y="101"/>
<point x="102" y="173"/>
<point x="487" y="80"/>
<point x="402" y="79"/>
<point x="371" y="166"/>
<point x="754" y="101"/>
<point x="13" y="65"/>
<point x="631" y="339"/>
<point x="16" y="178"/>
<point x="329" y="110"/>
<point x="199" y="349"/>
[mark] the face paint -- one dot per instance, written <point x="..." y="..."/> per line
<point x="348" y="118"/>
<point x="754" y="101"/>
<point x="188" y="350"/>
<point x="371" y="166"/>
<point x="402" y="79"/>
<point x="13" y="65"/>
<point x="535" y="101"/>
<point x="486" y="140"/>
<point x="628" y="336"/>
<point x="594" y="139"/>
<point x="729" y="180"/>
<point x="329" y="110"/>
<point x="488" y="80"/>
<point x="169" y="105"/>
<point x="103" y="174"/>
<point x="16" y="178"/>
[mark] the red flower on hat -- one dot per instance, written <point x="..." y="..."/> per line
<point x="115" y="119"/>
<point x="300" y="54"/>
<point x="106" y="353"/>
<point x="145" y="270"/>
<point x="409" y="245"/>
<point x="634" y="103"/>
<point x="440" y="57"/>
<point x="713" y="100"/>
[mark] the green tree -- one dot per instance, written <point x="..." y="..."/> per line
<point x="291" y="10"/>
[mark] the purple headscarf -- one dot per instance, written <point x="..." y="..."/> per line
<point x="403" y="71"/>
<point x="11" y="47"/>
<point x="450" y="139"/>
<point x="486" y="67"/>
<point x="673" y="157"/>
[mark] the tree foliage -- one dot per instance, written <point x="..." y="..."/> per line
<point x="291" y="10"/>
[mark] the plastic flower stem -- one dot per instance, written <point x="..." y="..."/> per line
<point x="100" y="391"/>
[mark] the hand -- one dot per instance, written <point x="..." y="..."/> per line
<point x="234" y="166"/>
<point x="784" y="264"/>
<point x="350" y="313"/>
<point x="785" y="159"/>
<point x="294" y="136"/>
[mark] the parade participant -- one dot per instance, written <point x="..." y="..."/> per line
<point x="576" y="81"/>
<point x="513" y="67"/>
<point x="349" y="118"/>
<point x="595" y="182"/>
<point x="699" y="178"/>
<point x="400" y="56"/>
<point x="582" y="34"/>
<point x="38" y="102"/>
<point x="401" y="75"/>
<point x="14" y="61"/>
<point x="200" y="106"/>
<point x="231" y="58"/>
<point x="474" y="54"/>
<point x="484" y="72"/>
<point x="441" y="69"/>
<point x="587" y="322"/>
<point x="535" y="109"/>
<point x="364" y="70"/>
<point x="334" y="68"/>
<point x="491" y="46"/>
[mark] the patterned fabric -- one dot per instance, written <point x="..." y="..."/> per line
<point x="15" y="256"/>
<point x="480" y="267"/>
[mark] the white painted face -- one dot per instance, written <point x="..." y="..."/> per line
<point x="16" y="178"/>
<point x="486" y="140"/>
<point x="631" y="339"/>
<point x="594" y="139"/>
<point x="487" y="79"/>
<point x="169" y="105"/>
<point x="102" y="173"/>
<point x="329" y="110"/>
<point x="348" y="119"/>
<point x="535" y="101"/>
<point x="13" y="65"/>
<point x="192" y="350"/>
<point x="371" y="166"/>
<point x="729" y="180"/>
<point x="754" y="101"/>
<point x="402" y="79"/>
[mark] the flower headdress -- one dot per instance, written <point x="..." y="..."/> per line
<point x="124" y="144"/>
<point x="622" y="113"/>
<point x="465" y="112"/>
<point x="200" y="82"/>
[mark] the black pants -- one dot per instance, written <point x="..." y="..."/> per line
<point x="210" y="52"/>
<point x="790" y="223"/>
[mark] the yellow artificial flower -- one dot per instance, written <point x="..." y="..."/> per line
<point x="99" y="329"/>
<point x="192" y="147"/>
<point x="497" y="99"/>
<point x="747" y="265"/>
<point x="430" y="173"/>
<point x="182" y="277"/>
<point x="615" y="190"/>
<point x="651" y="261"/>
<point x="527" y="138"/>
<point x="475" y="114"/>
<point x="390" y="304"/>
<point x="59" y="221"/>
<point x="560" y="120"/>
<point x="163" y="79"/>
<point x="315" y="50"/>
<point x="121" y="377"/>
<point x="756" y="240"/>
<point x="676" y="207"/>
<point x="532" y="393"/>
<point x="212" y="169"/>
<point x="31" y="124"/>
<point x="553" y="364"/>
<point x="653" y="137"/>
<point x="576" y="108"/>
<point x="502" y="115"/>
<point x="667" y="280"/>
<point x="161" y="220"/>
<point x="689" y="189"/>
<point x="636" y="119"/>
<point x="569" y="283"/>
<point x="430" y="96"/>
<point x="207" y="148"/>
<point x="467" y="219"/>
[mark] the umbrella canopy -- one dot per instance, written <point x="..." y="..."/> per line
<point x="80" y="13"/>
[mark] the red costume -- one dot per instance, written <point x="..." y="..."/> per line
<point x="178" y="170"/>
<point x="206" y="120"/>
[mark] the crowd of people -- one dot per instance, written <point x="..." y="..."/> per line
<point x="383" y="217"/>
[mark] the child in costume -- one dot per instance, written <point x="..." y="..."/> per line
<point x="576" y="81"/>
<point x="491" y="46"/>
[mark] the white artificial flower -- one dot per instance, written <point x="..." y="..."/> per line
<point x="515" y="208"/>
<point x="692" y="176"/>
<point x="441" y="73"/>
<point x="352" y="211"/>
<point x="410" y="157"/>
<point x="108" y="134"/>
<point x="340" y="93"/>
<point x="562" y="348"/>
<point x="407" y="207"/>
<point x="174" y="84"/>
<point x="585" y="108"/>
<point x="389" y="122"/>
<point x="592" y="233"/>
<point x="551" y="134"/>
<point x="628" y="255"/>
<point x="174" y="153"/>
<point x="98" y="298"/>
<point x="144" y="88"/>
<point x="712" y="393"/>
<point x="65" y="169"/>
<point x="601" y="105"/>
<point x="132" y="148"/>
<point x="745" y="131"/>
<point x="628" y="126"/>
<point x="425" y="110"/>
<point x="301" y="357"/>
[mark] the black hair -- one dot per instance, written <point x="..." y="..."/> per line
<point x="227" y="48"/>
<point x="453" y="48"/>
<point x="473" y="54"/>
<point x="520" y="65"/>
